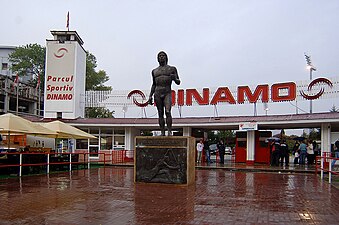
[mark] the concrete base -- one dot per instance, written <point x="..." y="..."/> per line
<point x="162" y="159"/>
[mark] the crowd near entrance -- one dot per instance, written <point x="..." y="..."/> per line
<point x="273" y="147"/>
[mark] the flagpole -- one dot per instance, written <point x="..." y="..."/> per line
<point x="16" y="83"/>
<point x="39" y="93"/>
<point x="39" y="104"/>
<point x="67" y="21"/>
<point x="17" y="98"/>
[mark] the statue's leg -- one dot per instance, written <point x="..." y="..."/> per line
<point x="160" y="106"/>
<point x="169" y="123"/>
<point x="162" y="125"/>
<point x="168" y="106"/>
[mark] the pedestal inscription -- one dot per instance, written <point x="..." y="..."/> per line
<point x="167" y="160"/>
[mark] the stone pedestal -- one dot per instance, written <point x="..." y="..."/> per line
<point x="162" y="159"/>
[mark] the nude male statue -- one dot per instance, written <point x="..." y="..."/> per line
<point x="162" y="77"/>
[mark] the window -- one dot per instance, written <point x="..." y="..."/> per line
<point x="242" y="144"/>
<point x="106" y="142"/>
<point x="119" y="140"/>
<point x="119" y="132"/>
<point x="93" y="150"/>
<point x="59" y="115"/>
<point x="4" y="66"/>
<point x="94" y="130"/>
<point x="108" y="139"/>
<point x="93" y="141"/>
<point x="106" y="131"/>
<point x="81" y="144"/>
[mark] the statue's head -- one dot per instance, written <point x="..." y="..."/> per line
<point x="162" y="58"/>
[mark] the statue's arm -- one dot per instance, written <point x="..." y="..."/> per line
<point x="175" y="76"/>
<point x="150" y="99"/>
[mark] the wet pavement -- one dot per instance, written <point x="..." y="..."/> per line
<point x="109" y="196"/>
<point x="230" y="165"/>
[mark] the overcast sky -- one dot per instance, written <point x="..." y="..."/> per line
<point x="212" y="43"/>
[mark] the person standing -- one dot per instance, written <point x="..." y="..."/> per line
<point x="207" y="152"/>
<point x="310" y="153"/>
<point x="276" y="153"/>
<point x="315" y="148"/>
<point x="162" y="77"/>
<point x="221" y="148"/>
<point x="303" y="152"/>
<point x="296" y="147"/>
<point x="296" y="157"/>
<point x="200" y="147"/>
<point x="284" y="153"/>
<point x="336" y="152"/>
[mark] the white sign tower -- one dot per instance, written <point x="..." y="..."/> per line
<point x="65" y="76"/>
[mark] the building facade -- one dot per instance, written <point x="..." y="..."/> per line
<point x="17" y="96"/>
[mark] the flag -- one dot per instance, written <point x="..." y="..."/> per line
<point x="38" y="83"/>
<point x="67" y="21"/>
<point x="16" y="80"/>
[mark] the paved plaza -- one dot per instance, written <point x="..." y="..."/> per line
<point x="109" y="196"/>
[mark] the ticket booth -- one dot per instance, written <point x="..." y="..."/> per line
<point x="262" y="148"/>
<point x="241" y="147"/>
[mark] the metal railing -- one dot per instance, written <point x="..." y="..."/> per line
<point x="122" y="156"/>
<point x="18" y="162"/>
<point x="326" y="166"/>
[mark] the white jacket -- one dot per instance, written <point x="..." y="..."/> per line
<point x="310" y="149"/>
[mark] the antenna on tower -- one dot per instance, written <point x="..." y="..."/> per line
<point x="67" y="21"/>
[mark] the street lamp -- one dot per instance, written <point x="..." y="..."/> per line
<point x="311" y="68"/>
<point x="266" y="108"/>
<point x="124" y="110"/>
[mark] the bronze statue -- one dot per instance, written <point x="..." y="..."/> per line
<point x="162" y="77"/>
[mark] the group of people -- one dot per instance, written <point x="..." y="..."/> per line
<point x="279" y="153"/>
<point x="203" y="146"/>
<point x="305" y="150"/>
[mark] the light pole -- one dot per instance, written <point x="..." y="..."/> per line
<point x="266" y="108"/>
<point x="311" y="68"/>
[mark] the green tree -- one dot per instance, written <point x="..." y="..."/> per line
<point x="212" y="136"/>
<point x="146" y="133"/>
<point x="95" y="80"/>
<point x="334" y="109"/>
<point x="98" y="112"/>
<point x="227" y="135"/>
<point x="29" y="59"/>
<point x="314" y="134"/>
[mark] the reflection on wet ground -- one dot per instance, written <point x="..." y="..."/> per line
<point x="109" y="196"/>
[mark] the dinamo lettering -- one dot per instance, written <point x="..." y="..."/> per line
<point x="277" y="93"/>
<point x="59" y="96"/>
